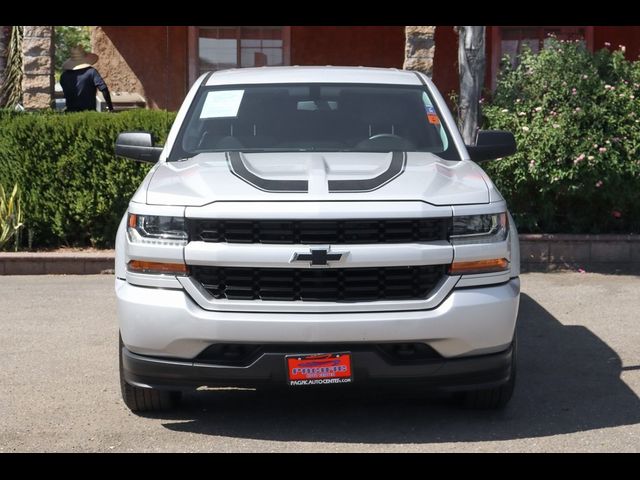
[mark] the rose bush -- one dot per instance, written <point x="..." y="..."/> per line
<point x="576" y="119"/>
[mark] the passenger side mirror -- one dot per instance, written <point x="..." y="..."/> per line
<point x="137" y="146"/>
<point x="492" y="144"/>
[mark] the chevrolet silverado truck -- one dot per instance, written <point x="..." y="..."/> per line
<point x="316" y="226"/>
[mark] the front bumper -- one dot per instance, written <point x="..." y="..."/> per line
<point x="369" y="368"/>
<point x="165" y="323"/>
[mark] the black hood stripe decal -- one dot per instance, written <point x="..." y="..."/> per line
<point x="238" y="168"/>
<point x="396" y="167"/>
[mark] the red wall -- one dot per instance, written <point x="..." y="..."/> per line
<point x="366" y="46"/>
<point x="627" y="36"/>
<point x="150" y="60"/>
<point x="445" y="60"/>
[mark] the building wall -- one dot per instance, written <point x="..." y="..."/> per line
<point x="378" y="46"/>
<point x="627" y="36"/>
<point x="149" y="60"/>
<point x="139" y="59"/>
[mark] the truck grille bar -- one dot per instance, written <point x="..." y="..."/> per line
<point x="333" y="232"/>
<point x="323" y="285"/>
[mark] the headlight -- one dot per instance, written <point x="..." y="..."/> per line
<point x="159" y="230"/>
<point x="489" y="228"/>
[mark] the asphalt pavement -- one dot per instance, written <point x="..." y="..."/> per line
<point x="578" y="384"/>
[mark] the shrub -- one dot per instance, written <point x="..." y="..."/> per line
<point x="575" y="116"/>
<point x="74" y="190"/>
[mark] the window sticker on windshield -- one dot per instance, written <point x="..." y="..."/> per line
<point x="432" y="116"/>
<point x="223" y="103"/>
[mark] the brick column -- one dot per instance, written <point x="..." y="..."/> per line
<point x="419" y="48"/>
<point x="38" y="79"/>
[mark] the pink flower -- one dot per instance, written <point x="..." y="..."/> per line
<point x="578" y="109"/>
<point x="574" y="91"/>
<point x="532" y="163"/>
<point x="622" y="48"/>
<point x="579" y="159"/>
<point x="602" y="149"/>
<point x="616" y="214"/>
<point x="607" y="44"/>
<point x="598" y="183"/>
<point x="582" y="270"/>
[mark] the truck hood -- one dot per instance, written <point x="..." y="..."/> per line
<point x="310" y="176"/>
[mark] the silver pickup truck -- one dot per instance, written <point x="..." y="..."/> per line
<point x="316" y="226"/>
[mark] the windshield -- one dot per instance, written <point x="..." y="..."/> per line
<point x="313" y="117"/>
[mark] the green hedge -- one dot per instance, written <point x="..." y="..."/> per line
<point x="576" y="118"/>
<point x="74" y="190"/>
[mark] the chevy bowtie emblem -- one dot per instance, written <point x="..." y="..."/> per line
<point x="318" y="257"/>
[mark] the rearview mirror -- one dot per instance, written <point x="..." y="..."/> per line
<point x="137" y="146"/>
<point x="492" y="144"/>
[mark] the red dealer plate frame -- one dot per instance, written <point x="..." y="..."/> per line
<point x="319" y="369"/>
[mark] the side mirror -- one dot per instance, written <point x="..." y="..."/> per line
<point x="492" y="144"/>
<point x="137" y="146"/>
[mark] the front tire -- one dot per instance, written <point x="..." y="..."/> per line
<point x="139" y="399"/>
<point x="493" y="398"/>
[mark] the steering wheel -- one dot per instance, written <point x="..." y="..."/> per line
<point x="386" y="135"/>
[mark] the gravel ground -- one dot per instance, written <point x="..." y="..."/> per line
<point x="578" y="384"/>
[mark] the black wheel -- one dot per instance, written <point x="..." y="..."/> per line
<point x="145" y="399"/>
<point x="493" y="398"/>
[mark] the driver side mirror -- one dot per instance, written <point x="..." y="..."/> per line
<point x="492" y="144"/>
<point x="137" y="146"/>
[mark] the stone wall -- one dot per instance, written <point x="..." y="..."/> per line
<point x="419" y="48"/>
<point x="37" y="63"/>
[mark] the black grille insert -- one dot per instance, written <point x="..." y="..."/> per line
<point x="399" y="230"/>
<point x="323" y="285"/>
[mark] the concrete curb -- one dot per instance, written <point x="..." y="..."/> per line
<point x="607" y="253"/>
<point x="538" y="252"/>
<point x="73" y="263"/>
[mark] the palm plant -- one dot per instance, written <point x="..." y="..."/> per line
<point x="11" y="86"/>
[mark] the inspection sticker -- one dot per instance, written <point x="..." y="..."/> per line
<point x="432" y="116"/>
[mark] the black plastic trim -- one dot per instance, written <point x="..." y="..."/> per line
<point x="370" y="368"/>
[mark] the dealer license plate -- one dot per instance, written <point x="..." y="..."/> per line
<point x="319" y="369"/>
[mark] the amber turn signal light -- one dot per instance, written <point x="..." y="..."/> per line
<point x="140" y="266"/>
<point x="479" y="266"/>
